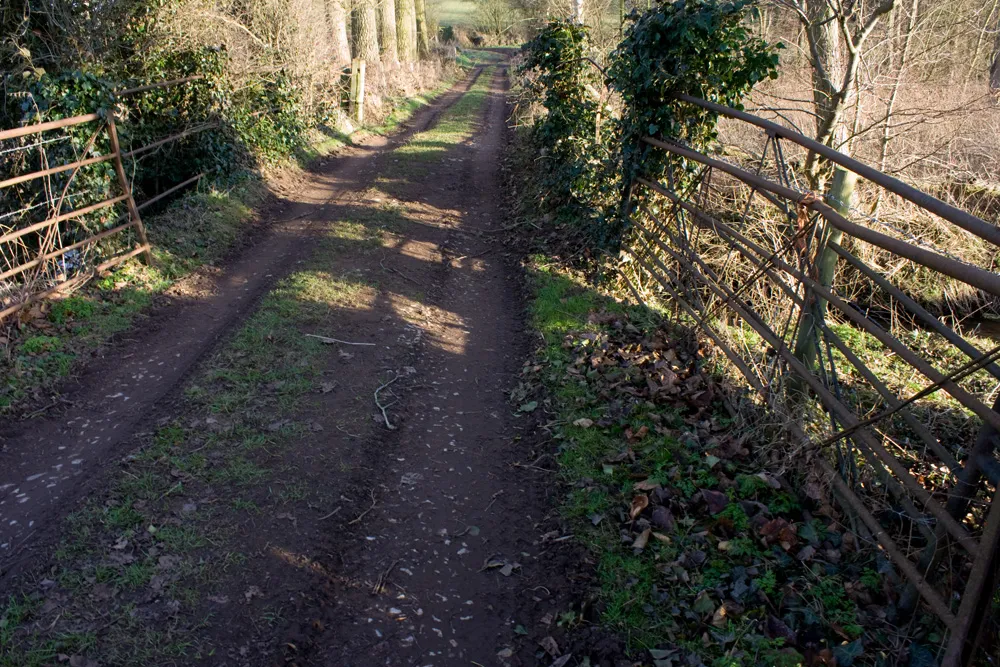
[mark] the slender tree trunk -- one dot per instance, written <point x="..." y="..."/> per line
<point x="406" y="30"/>
<point x="387" y="30"/>
<point x="423" y="39"/>
<point x="336" y="16"/>
<point x="995" y="66"/>
<point x="890" y="106"/>
<point x="980" y="38"/>
<point x="827" y="56"/>
<point x="365" y="33"/>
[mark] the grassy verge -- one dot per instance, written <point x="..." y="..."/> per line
<point x="196" y="230"/>
<point x="705" y="553"/>
<point x="145" y="571"/>
<point x="474" y="57"/>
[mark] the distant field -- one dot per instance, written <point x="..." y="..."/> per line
<point x="454" y="12"/>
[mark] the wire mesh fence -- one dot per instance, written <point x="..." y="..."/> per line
<point x="888" y="402"/>
<point x="69" y="221"/>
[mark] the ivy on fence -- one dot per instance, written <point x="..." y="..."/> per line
<point x="697" y="47"/>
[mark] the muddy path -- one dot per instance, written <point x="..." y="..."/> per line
<point x="48" y="462"/>
<point x="267" y="499"/>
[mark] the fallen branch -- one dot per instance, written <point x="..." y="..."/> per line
<point x="363" y="514"/>
<point x="530" y="467"/>
<point x="389" y="268"/>
<point x="493" y="500"/>
<point x="382" y="578"/>
<point x="381" y="407"/>
<point x="324" y="518"/>
<point x="331" y="341"/>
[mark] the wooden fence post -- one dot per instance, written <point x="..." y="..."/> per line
<point x="357" y="109"/>
<point x="133" y="210"/>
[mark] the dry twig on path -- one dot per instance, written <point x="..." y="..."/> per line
<point x="382" y="578"/>
<point x="389" y="268"/>
<point x="331" y="341"/>
<point x="363" y="514"/>
<point x="381" y="407"/>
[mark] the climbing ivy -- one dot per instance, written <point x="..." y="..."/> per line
<point x="695" y="47"/>
<point x="698" y="47"/>
<point x="566" y="83"/>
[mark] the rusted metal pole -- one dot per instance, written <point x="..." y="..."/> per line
<point x="757" y="255"/>
<point x="45" y="127"/>
<point x="974" y="276"/>
<point x="167" y="140"/>
<point x="60" y="218"/>
<point x="55" y="170"/>
<point x="127" y="190"/>
<point x="966" y="221"/>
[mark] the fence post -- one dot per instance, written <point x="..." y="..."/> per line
<point x="357" y="109"/>
<point x="133" y="210"/>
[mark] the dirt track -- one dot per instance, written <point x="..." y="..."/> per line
<point x="417" y="544"/>
<point x="47" y="463"/>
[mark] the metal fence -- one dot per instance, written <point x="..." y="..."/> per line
<point x="738" y="246"/>
<point x="45" y="258"/>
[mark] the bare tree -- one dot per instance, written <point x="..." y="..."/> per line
<point x="387" y="30"/>
<point x="423" y="39"/>
<point x="336" y="16"/>
<point x="365" y="32"/>
<point x="836" y="32"/>
<point x="995" y="66"/>
<point x="406" y="30"/>
<point x="496" y="18"/>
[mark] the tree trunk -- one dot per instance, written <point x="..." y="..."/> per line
<point x="827" y="59"/>
<point x="365" y="37"/>
<point x="387" y="30"/>
<point x="406" y="30"/>
<point x="423" y="39"/>
<point x="336" y="16"/>
<point x="995" y="67"/>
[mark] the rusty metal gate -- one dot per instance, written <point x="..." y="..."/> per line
<point x="893" y="458"/>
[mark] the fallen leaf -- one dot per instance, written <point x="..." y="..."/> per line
<point x="550" y="646"/>
<point x="703" y="604"/>
<point x="529" y="406"/>
<point x="253" y="592"/>
<point x="663" y="518"/>
<point x="719" y="618"/>
<point x="715" y="500"/>
<point x="642" y="540"/>
<point x="646" y="485"/>
<point x="639" y="503"/>
<point x="561" y="662"/>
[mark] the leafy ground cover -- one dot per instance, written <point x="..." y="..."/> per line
<point x="708" y="550"/>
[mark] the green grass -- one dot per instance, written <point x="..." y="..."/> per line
<point x="454" y="12"/>
<point x="654" y="598"/>
<point x="198" y="229"/>
<point x="231" y="443"/>
<point x="469" y="58"/>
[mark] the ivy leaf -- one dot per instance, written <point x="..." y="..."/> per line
<point x="847" y="653"/>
